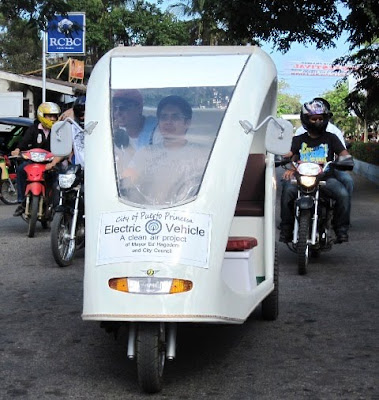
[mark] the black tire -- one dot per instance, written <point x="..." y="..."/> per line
<point x="8" y="193"/>
<point x="33" y="210"/>
<point x="302" y="242"/>
<point x="270" y="305"/>
<point x="151" y="354"/>
<point x="62" y="247"/>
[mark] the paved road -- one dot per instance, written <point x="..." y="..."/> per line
<point x="323" y="346"/>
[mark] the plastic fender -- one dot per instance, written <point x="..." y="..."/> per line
<point x="36" y="188"/>
<point x="305" y="202"/>
<point x="35" y="172"/>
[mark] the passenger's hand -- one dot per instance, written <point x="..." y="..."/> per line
<point x="288" y="174"/>
<point x="15" y="152"/>
<point x="130" y="174"/>
<point x="67" y="114"/>
<point x="49" y="166"/>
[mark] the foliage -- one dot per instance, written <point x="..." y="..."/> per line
<point x="287" y="104"/>
<point x="13" y="56"/>
<point x="341" y="115"/>
<point x="283" y="23"/>
<point x="367" y="152"/>
<point x="363" y="26"/>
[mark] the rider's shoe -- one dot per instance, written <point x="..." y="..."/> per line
<point x="341" y="236"/>
<point x="19" y="210"/>
<point x="286" y="234"/>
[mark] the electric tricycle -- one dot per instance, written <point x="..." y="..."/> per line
<point x="180" y="207"/>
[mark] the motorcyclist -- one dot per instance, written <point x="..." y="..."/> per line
<point x="36" y="136"/>
<point x="342" y="176"/>
<point x="315" y="145"/>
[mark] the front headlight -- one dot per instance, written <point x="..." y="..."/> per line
<point x="66" y="180"/>
<point x="308" y="181"/>
<point x="37" y="157"/>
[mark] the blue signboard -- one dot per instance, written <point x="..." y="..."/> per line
<point x="66" y="34"/>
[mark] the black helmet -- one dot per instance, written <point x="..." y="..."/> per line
<point x="79" y="109"/>
<point x="317" y="106"/>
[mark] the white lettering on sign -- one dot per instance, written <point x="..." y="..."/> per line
<point x="65" y="42"/>
<point x="168" y="236"/>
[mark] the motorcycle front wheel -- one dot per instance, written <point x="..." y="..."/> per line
<point x="302" y="242"/>
<point x="151" y="355"/>
<point x="8" y="191"/>
<point x="62" y="247"/>
<point x="33" y="215"/>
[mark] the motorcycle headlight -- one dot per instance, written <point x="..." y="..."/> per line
<point x="37" y="157"/>
<point x="308" y="181"/>
<point x="66" y="180"/>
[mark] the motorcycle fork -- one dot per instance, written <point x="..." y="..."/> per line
<point x="75" y="215"/>
<point x="314" y="220"/>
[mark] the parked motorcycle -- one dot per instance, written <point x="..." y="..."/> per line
<point x="8" y="187"/>
<point x="313" y="209"/>
<point x="38" y="195"/>
<point x="67" y="228"/>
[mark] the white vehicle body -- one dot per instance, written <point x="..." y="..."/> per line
<point x="212" y="298"/>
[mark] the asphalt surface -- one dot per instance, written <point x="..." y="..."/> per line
<point x="324" y="344"/>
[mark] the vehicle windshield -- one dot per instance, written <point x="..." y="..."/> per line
<point x="163" y="135"/>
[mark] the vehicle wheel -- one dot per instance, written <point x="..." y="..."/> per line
<point x="9" y="191"/>
<point x="270" y="305"/>
<point x="32" y="221"/>
<point x="62" y="247"/>
<point x="151" y="355"/>
<point x="302" y="243"/>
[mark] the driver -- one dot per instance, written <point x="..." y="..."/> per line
<point x="37" y="136"/>
<point x="319" y="146"/>
<point x="171" y="171"/>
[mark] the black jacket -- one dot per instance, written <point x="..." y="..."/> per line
<point x="34" y="138"/>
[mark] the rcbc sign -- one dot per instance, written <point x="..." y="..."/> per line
<point x="66" y="34"/>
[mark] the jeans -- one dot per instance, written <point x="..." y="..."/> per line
<point x="346" y="179"/>
<point x="337" y="191"/>
<point x="21" y="181"/>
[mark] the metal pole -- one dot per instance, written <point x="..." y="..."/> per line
<point x="44" y="66"/>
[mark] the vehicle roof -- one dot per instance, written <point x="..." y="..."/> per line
<point x="182" y="50"/>
<point x="17" y="121"/>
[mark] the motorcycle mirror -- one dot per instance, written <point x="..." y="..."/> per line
<point x="279" y="136"/>
<point x="61" y="138"/>
<point x="88" y="129"/>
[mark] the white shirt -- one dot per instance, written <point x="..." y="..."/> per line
<point x="78" y="145"/>
<point x="330" y="128"/>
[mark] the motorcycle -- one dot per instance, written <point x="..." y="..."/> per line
<point x="67" y="227"/>
<point x="38" y="195"/>
<point x="193" y="241"/>
<point x="8" y="186"/>
<point x="312" y="232"/>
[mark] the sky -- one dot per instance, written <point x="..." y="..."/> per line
<point x="307" y="86"/>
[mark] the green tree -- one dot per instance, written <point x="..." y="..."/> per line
<point x="363" y="26"/>
<point x="286" y="103"/>
<point x="341" y="114"/>
<point x="20" y="46"/>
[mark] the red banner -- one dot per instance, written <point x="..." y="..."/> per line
<point x="319" y="69"/>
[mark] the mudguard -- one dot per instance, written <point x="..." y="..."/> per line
<point x="36" y="188"/>
<point x="305" y="202"/>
